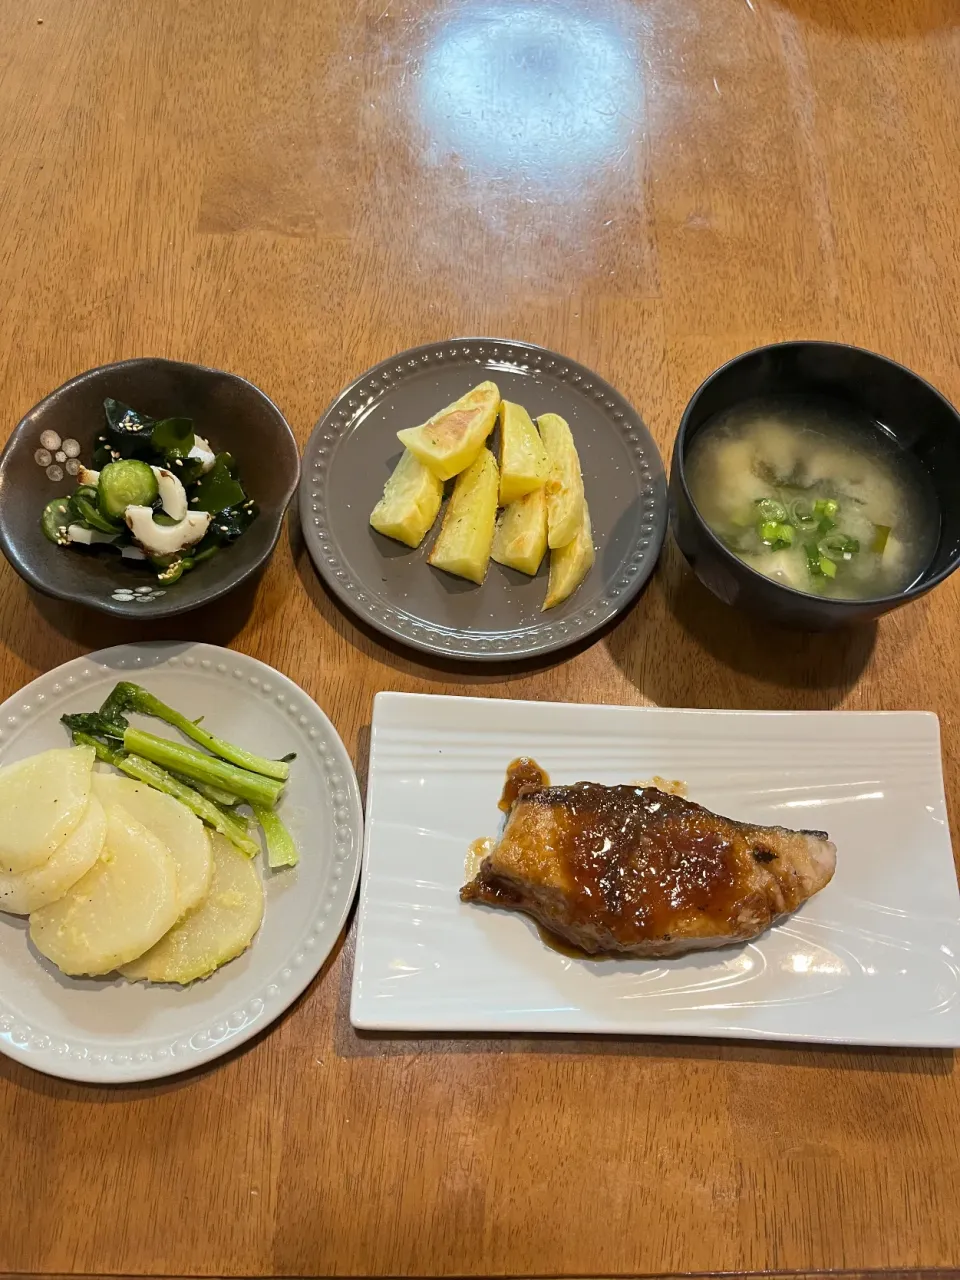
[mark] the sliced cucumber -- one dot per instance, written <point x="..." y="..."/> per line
<point x="57" y="515"/>
<point x="128" y="483"/>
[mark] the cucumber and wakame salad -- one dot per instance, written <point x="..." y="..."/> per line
<point x="155" y="491"/>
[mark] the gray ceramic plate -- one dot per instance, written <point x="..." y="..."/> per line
<point x="354" y="447"/>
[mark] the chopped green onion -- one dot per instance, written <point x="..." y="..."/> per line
<point x="827" y="567"/>
<point x="838" y="546"/>
<point x="802" y="516"/>
<point x="771" y="510"/>
<point x="825" y="509"/>
<point x="813" y="559"/>
<point x="776" y="535"/>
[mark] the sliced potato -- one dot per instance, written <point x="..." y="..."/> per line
<point x="26" y="891"/>
<point x="451" y="440"/>
<point x="123" y="905"/>
<point x="569" y="565"/>
<point x="565" y="483"/>
<point x="520" y="541"/>
<point x="410" y="503"/>
<point x="466" y="536"/>
<point x="524" y="465"/>
<point x="217" y="931"/>
<point x="183" y="834"/>
<point x="42" y="800"/>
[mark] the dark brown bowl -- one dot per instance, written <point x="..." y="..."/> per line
<point x="231" y="413"/>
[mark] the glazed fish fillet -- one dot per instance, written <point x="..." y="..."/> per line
<point x="636" y="871"/>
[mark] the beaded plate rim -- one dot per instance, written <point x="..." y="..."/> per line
<point x="86" y="1059"/>
<point x="544" y="637"/>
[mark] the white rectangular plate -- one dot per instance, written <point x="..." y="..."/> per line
<point x="872" y="959"/>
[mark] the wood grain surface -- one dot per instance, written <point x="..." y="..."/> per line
<point x="294" y="190"/>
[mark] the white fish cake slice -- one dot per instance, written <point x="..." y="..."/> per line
<point x="172" y="823"/>
<point x="219" y="929"/>
<point x="42" y="799"/>
<point x="123" y="905"/>
<point x="27" y="891"/>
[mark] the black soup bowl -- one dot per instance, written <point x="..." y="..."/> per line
<point x="910" y="410"/>
<point x="230" y="413"/>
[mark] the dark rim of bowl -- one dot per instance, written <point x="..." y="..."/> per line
<point x="679" y="461"/>
<point x="169" y="608"/>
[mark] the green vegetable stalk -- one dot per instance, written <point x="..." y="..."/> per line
<point x="225" y="799"/>
<point x="217" y="781"/>
<point x="127" y="697"/>
<point x="160" y="780"/>
<point x="252" y="787"/>
<point x="281" y="851"/>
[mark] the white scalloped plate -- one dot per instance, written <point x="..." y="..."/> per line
<point x="109" y="1032"/>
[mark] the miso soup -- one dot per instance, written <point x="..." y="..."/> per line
<point x="816" y="497"/>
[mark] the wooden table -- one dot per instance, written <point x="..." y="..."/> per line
<point x="294" y="190"/>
